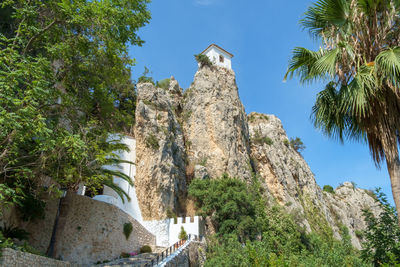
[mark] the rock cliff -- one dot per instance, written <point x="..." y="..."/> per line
<point x="216" y="125"/>
<point x="160" y="152"/>
<point x="288" y="178"/>
<point x="205" y="132"/>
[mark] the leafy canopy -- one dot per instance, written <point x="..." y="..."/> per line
<point x="65" y="87"/>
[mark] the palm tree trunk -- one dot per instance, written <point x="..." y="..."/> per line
<point x="393" y="166"/>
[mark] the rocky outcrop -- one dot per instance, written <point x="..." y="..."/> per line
<point x="160" y="180"/>
<point x="288" y="178"/>
<point x="215" y="124"/>
<point x="205" y="133"/>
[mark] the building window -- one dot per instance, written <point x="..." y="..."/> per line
<point x="221" y="58"/>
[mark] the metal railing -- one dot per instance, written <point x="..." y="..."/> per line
<point x="172" y="249"/>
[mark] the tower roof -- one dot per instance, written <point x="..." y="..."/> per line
<point x="218" y="47"/>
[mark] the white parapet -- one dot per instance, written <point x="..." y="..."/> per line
<point x="167" y="231"/>
<point x="190" y="224"/>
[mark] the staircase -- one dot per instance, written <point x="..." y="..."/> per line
<point x="159" y="258"/>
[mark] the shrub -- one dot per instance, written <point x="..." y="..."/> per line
<point x="128" y="229"/>
<point x="164" y="84"/>
<point x="382" y="236"/>
<point x="183" y="235"/>
<point x="286" y="142"/>
<point x="203" y="60"/>
<point x="11" y="232"/>
<point x="124" y="255"/>
<point x="145" y="249"/>
<point x="329" y="189"/>
<point x="229" y="203"/>
<point x="359" y="234"/>
<point x="152" y="142"/>
<point x="259" y="139"/>
<point x="297" y="144"/>
<point x="203" y="161"/>
<point x="144" y="78"/>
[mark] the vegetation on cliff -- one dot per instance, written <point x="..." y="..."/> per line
<point x="251" y="231"/>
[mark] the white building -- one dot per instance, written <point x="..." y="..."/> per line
<point x="218" y="56"/>
<point x="166" y="231"/>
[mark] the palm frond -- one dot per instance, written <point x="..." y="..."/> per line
<point x="121" y="193"/>
<point x="326" y="64"/>
<point x="302" y="63"/>
<point x="324" y="14"/>
<point x="327" y="113"/>
<point x="357" y="94"/>
<point x="117" y="174"/>
<point x="388" y="63"/>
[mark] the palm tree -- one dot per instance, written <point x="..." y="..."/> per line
<point x="359" y="59"/>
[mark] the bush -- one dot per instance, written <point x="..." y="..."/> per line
<point x="144" y="78"/>
<point x="203" y="60"/>
<point x="251" y="232"/>
<point x="124" y="255"/>
<point x="359" y="234"/>
<point x="259" y="139"/>
<point x="183" y="235"/>
<point x="152" y="142"/>
<point x="164" y="84"/>
<point x="145" y="249"/>
<point x="286" y="142"/>
<point x="128" y="229"/>
<point x="329" y="189"/>
<point x="11" y="232"/>
<point x="297" y="144"/>
<point x="229" y="203"/>
<point x="382" y="236"/>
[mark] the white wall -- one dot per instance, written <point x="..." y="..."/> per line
<point x="160" y="229"/>
<point x="131" y="207"/>
<point x="213" y="54"/>
<point x="190" y="228"/>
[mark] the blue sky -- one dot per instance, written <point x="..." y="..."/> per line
<point x="261" y="35"/>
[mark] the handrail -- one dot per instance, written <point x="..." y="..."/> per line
<point x="171" y="249"/>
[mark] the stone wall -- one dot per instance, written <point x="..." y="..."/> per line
<point x="91" y="231"/>
<point x="14" y="258"/>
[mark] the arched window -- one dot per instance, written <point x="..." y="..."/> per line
<point x="221" y="58"/>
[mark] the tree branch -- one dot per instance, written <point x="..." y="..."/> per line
<point x="38" y="34"/>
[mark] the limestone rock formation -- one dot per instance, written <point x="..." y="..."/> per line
<point x="204" y="133"/>
<point x="160" y="180"/>
<point x="215" y="124"/>
<point x="288" y="178"/>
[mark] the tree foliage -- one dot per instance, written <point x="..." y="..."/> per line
<point x="382" y="237"/>
<point x="229" y="203"/>
<point x="65" y="87"/>
<point x="359" y="59"/>
<point x="272" y="238"/>
<point x="297" y="144"/>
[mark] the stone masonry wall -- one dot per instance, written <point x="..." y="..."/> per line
<point x="93" y="232"/>
<point x="14" y="258"/>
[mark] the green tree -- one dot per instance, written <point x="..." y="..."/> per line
<point x="182" y="234"/>
<point x="297" y="144"/>
<point x="275" y="241"/>
<point x="382" y="236"/>
<point x="359" y="59"/>
<point x="65" y="88"/>
<point x="229" y="203"/>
